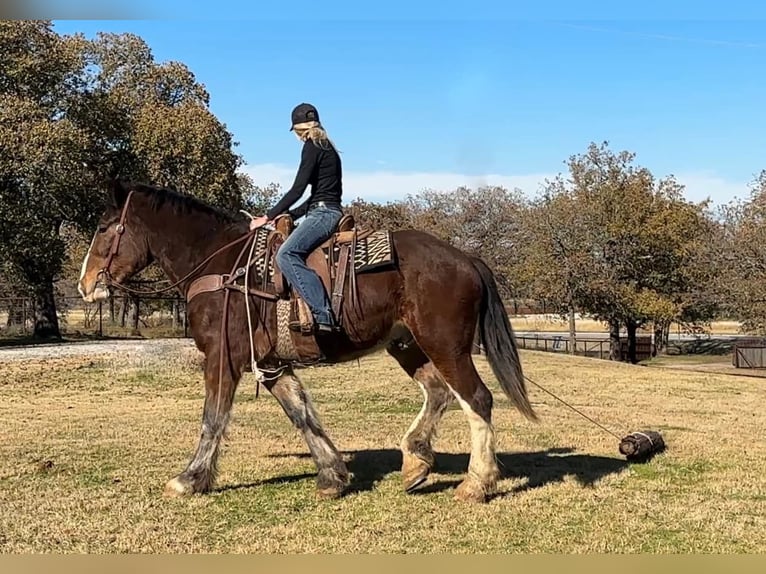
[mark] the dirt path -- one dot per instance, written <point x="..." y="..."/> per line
<point x="126" y="349"/>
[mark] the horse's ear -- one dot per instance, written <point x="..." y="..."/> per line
<point x="116" y="191"/>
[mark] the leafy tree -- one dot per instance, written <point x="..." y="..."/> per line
<point x="741" y="258"/>
<point x="392" y="215"/>
<point x="67" y="103"/>
<point x="617" y="244"/>
<point x="557" y="259"/>
<point x="42" y="182"/>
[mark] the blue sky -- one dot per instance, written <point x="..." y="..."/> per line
<point x="416" y="103"/>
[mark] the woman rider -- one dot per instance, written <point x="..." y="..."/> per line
<point x="320" y="167"/>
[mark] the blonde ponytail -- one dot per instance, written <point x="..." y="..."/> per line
<point x="315" y="132"/>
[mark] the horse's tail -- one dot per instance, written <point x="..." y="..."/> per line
<point x="499" y="342"/>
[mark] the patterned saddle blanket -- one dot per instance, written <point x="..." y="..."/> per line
<point x="371" y="252"/>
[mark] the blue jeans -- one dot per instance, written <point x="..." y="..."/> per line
<point x="317" y="226"/>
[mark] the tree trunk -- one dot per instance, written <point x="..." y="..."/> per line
<point x="661" y="330"/>
<point x="111" y="310"/>
<point x="631" y="326"/>
<point x="572" y="330"/>
<point x="615" y="352"/>
<point x="124" y="310"/>
<point x="46" y="319"/>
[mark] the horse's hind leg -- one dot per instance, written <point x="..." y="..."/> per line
<point x="475" y="399"/>
<point x="332" y="476"/>
<point x="417" y="452"/>
<point x="201" y="471"/>
<point x="459" y="374"/>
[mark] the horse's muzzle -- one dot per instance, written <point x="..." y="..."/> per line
<point x="100" y="292"/>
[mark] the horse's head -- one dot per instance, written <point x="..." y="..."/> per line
<point x="119" y="248"/>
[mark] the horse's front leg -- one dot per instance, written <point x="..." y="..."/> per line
<point x="200" y="474"/>
<point x="332" y="477"/>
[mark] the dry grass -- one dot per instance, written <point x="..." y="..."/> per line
<point x="159" y="325"/>
<point x="554" y="323"/>
<point x="87" y="445"/>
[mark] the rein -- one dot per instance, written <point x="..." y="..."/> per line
<point x="109" y="280"/>
<point x="206" y="283"/>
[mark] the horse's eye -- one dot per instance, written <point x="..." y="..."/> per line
<point x="102" y="228"/>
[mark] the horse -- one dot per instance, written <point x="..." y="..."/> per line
<point x="424" y="310"/>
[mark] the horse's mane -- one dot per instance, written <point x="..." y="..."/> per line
<point x="180" y="203"/>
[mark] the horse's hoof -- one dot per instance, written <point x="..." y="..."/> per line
<point x="176" y="488"/>
<point x="329" y="493"/>
<point x="331" y="482"/>
<point x="415" y="471"/>
<point x="472" y="491"/>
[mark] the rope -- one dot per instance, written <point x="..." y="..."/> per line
<point x="573" y="408"/>
<point x="253" y="363"/>
<point x="260" y="376"/>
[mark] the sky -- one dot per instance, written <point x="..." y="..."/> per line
<point x="484" y="97"/>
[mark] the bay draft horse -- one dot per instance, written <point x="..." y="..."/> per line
<point x="423" y="310"/>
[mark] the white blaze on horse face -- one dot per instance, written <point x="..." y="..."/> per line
<point x="80" y="285"/>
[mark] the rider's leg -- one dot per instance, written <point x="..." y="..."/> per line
<point x="318" y="225"/>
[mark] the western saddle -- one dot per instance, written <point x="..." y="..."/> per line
<point x="322" y="261"/>
<point x="332" y="273"/>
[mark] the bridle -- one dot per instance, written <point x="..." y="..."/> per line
<point x="119" y="231"/>
<point x="105" y="276"/>
<point x="227" y="283"/>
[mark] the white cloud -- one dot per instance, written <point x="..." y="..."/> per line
<point x="385" y="185"/>
<point x="705" y="184"/>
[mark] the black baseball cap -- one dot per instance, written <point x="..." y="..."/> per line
<point x="304" y="113"/>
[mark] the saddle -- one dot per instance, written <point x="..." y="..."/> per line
<point x="337" y="261"/>
<point x="333" y="261"/>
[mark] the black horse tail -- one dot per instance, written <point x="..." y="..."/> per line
<point x="499" y="342"/>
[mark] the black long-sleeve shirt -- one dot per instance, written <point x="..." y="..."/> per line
<point x="320" y="168"/>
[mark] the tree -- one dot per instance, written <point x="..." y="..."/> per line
<point x="741" y="257"/>
<point x="392" y="215"/>
<point x="617" y="244"/>
<point x="258" y="200"/>
<point x="42" y="181"/>
<point x="557" y="252"/>
<point x="646" y="234"/>
<point x="66" y="103"/>
<point x="485" y="221"/>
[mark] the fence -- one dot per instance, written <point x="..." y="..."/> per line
<point x="586" y="347"/>
<point x="126" y="315"/>
<point x="120" y="316"/>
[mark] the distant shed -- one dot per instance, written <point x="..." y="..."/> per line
<point x="749" y="353"/>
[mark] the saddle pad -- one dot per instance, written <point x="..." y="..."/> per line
<point x="372" y="252"/>
<point x="265" y="262"/>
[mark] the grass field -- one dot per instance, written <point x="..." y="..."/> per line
<point x="159" y="325"/>
<point x="87" y="444"/>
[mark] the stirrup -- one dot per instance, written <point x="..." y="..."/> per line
<point x="320" y="328"/>
<point x="299" y="327"/>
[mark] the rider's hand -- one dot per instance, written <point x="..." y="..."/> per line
<point x="258" y="222"/>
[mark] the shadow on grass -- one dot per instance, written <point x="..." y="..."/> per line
<point x="265" y="482"/>
<point x="717" y="346"/>
<point x="537" y="468"/>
